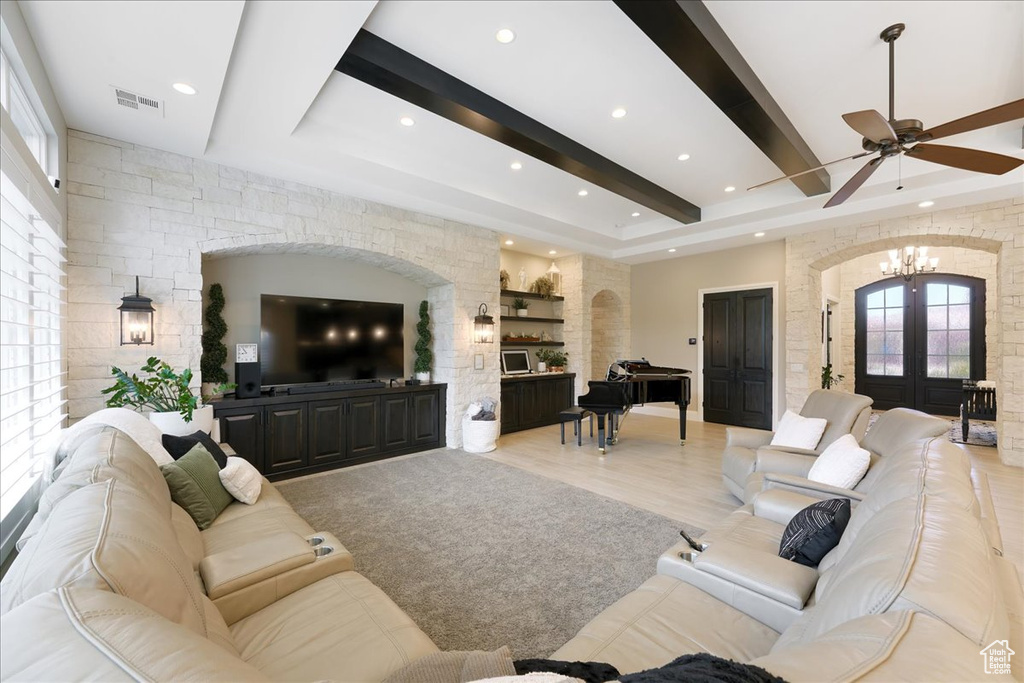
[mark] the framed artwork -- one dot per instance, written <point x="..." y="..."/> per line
<point x="515" y="362"/>
<point x="505" y="310"/>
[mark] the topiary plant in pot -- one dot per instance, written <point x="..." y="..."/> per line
<point x="424" y="356"/>
<point x="215" y="354"/>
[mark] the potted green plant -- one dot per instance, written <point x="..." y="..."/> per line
<point x="424" y="356"/>
<point x="542" y="359"/>
<point x="557" y="360"/>
<point x="828" y="380"/>
<point x="543" y="286"/>
<point x="215" y="353"/>
<point x="175" y="409"/>
<point x="521" y="306"/>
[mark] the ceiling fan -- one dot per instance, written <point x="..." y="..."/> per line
<point x="892" y="137"/>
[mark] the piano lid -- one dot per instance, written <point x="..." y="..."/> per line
<point x="635" y="369"/>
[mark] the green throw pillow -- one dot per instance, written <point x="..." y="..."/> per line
<point x="194" y="481"/>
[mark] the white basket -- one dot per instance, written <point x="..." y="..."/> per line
<point x="478" y="436"/>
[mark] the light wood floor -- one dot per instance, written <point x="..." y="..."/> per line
<point x="648" y="469"/>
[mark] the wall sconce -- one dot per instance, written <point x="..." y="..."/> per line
<point x="483" y="326"/>
<point x="136" y="318"/>
<point x="555" y="275"/>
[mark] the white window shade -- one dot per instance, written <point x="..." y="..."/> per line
<point x="31" y="366"/>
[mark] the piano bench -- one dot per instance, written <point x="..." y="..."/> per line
<point x="575" y="415"/>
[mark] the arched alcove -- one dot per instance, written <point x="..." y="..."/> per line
<point x="609" y="336"/>
<point x="988" y="228"/>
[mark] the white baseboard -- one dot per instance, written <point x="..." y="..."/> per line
<point x="664" y="411"/>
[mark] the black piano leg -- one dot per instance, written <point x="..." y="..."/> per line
<point x="682" y="425"/>
<point x="600" y="432"/>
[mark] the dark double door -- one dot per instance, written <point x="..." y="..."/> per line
<point x="916" y="342"/>
<point x="738" y="358"/>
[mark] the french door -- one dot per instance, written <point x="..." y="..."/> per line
<point x="915" y="342"/>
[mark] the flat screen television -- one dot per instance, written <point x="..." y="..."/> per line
<point x="305" y="340"/>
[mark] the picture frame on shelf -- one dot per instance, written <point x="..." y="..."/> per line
<point x="505" y="310"/>
<point x="515" y="362"/>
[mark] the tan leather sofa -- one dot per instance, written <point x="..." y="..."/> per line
<point x="749" y="450"/>
<point x="117" y="582"/>
<point x="915" y="589"/>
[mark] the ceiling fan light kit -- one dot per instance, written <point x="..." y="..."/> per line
<point x="889" y="137"/>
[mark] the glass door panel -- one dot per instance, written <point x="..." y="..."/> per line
<point x="885" y="342"/>
<point x="948" y="322"/>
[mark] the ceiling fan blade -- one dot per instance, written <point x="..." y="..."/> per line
<point x="810" y="170"/>
<point x="967" y="159"/>
<point x="854" y="183"/>
<point x="871" y="125"/>
<point x="983" y="119"/>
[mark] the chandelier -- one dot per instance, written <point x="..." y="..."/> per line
<point x="908" y="262"/>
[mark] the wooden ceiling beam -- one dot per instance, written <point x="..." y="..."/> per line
<point x="385" y="66"/>
<point x="688" y="34"/>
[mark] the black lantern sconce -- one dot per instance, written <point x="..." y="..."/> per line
<point x="483" y="326"/>
<point x="136" y="318"/>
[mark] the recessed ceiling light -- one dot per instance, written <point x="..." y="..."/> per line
<point x="583" y="193"/>
<point x="671" y="251"/>
<point x="552" y="252"/>
<point x="509" y="243"/>
<point x="635" y="214"/>
<point x="516" y="166"/>
<point x="618" y="113"/>
<point x="730" y="188"/>
<point x="683" y="157"/>
<point x="926" y="204"/>
<point x="505" y="36"/>
<point x="406" y="121"/>
<point x="758" y="234"/>
<point x="184" y="88"/>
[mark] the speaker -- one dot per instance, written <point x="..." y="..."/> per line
<point x="247" y="377"/>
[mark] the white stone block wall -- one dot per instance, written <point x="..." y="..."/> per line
<point x="583" y="278"/>
<point x="864" y="270"/>
<point x="140" y="211"/>
<point x="997" y="228"/>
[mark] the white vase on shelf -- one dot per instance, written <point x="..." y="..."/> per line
<point x="542" y="366"/>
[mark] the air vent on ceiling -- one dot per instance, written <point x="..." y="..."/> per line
<point x="140" y="103"/>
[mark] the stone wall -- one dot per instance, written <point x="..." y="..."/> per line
<point x="864" y="270"/>
<point x="140" y="211"/>
<point x="997" y="228"/>
<point x="584" y="277"/>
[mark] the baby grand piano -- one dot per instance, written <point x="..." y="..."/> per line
<point x="635" y="382"/>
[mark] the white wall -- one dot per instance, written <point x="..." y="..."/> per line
<point x="245" y="278"/>
<point x="534" y="267"/>
<point x="665" y="308"/>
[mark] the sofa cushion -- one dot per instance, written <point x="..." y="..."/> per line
<point x="110" y="536"/>
<point x="661" y="620"/>
<point x="178" y="446"/>
<point x="743" y="527"/>
<point x="842" y="464"/>
<point x="796" y="431"/>
<point x="78" y="634"/>
<point x="893" y="646"/>
<point x="188" y="535"/>
<point x="341" y="628"/>
<point x="814" y="531"/>
<point x="194" y="482"/>
<point x="240" y="531"/>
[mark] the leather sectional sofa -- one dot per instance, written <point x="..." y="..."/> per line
<point x="916" y="588"/>
<point x="116" y="583"/>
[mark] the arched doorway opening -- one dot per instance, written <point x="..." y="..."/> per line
<point x="608" y="332"/>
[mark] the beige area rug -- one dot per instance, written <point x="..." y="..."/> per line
<point x="482" y="554"/>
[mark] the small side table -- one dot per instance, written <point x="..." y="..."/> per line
<point x="575" y="415"/>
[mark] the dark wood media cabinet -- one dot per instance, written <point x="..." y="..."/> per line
<point x="291" y="435"/>
<point x="529" y="401"/>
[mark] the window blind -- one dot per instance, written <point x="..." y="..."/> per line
<point x="31" y="368"/>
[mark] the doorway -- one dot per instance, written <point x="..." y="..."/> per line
<point x="915" y="342"/>
<point x="738" y="364"/>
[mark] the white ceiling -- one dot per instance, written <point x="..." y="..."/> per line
<point x="270" y="101"/>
